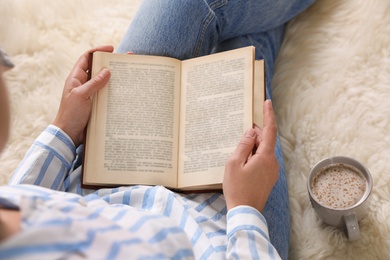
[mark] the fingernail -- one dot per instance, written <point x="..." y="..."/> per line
<point x="250" y="133"/>
<point x="269" y="102"/>
<point x="104" y="72"/>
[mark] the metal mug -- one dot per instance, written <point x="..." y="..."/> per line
<point x="348" y="217"/>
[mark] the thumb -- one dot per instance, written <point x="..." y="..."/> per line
<point x="95" y="83"/>
<point x="246" y="145"/>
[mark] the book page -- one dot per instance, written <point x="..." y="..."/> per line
<point x="133" y="131"/>
<point x="216" y="109"/>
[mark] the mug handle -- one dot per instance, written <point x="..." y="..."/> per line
<point x="352" y="226"/>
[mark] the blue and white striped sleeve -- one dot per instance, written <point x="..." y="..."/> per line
<point x="247" y="233"/>
<point x="48" y="161"/>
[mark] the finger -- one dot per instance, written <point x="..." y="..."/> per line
<point x="88" y="89"/>
<point x="245" y="147"/>
<point x="269" y="131"/>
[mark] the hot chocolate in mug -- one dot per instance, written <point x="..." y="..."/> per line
<point x="339" y="188"/>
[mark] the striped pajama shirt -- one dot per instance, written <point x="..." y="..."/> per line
<point x="61" y="220"/>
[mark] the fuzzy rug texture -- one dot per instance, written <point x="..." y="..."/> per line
<point x="331" y="92"/>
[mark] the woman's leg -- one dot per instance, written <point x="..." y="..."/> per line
<point x="190" y="28"/>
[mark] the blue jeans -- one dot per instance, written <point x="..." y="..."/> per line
<point x="189" y="28"/>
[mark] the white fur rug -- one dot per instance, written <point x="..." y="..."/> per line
<point x="331" y="92"/>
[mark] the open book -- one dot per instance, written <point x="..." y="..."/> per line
<point x="162" y="121"/>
